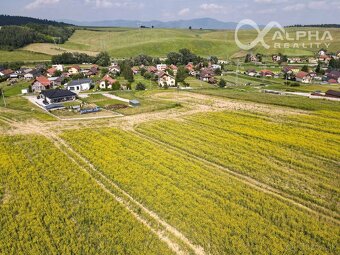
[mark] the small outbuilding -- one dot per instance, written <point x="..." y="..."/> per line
<point x="134" y="103"/>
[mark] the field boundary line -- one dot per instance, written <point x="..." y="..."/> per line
<point x="128" y="202"/>
<point x="249" y="181"/>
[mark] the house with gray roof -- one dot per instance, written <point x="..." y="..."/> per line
<point x="79" y="85"/>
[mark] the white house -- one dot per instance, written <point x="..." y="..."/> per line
<point x="161" y="67"/>
<point x="303" y="77"/>
<point x="79" y="85"/>
<point x="215" y="67"/>
<point x="58" y="67"/>
<point x="107" y="82"/>
<point x="166" y="80"/>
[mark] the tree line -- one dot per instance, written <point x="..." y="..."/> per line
<point x="14" y="36"/>
<point x="102" y="59"/>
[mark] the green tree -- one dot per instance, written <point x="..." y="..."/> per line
<point x="103" y="59"/>
<point x="222" y="83"/>
<point x="305" y="69"/>
<point x="140" y="86"/>
<point x="182" y="74"/>
<point x="218" y="71"/>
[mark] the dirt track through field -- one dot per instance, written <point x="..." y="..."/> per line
<point x="166" y="233"/>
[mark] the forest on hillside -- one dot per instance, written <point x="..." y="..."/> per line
<point x="16" y="32"/>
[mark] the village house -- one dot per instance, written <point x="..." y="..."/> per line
<point x="276" y="58"/>
<point x="303" y="77"/>
<point x="51" y="71"/>
<point x="6" y="73"/>
<point x="312" y="61"/>
<point x="74" y="70"/>
<point x="333" y="75"/>
<point x="57" y="96"/>
<point x="135" y="70"/>
<point x="266" y="73"/>
<point x="324" y="59"/>
<point x="207" y="75"/>
<point x="107" y="82"/>
<point x="174" y="69"/>
<point x="79" y="85"/>
<point x="114" y="69"/>
<point x="32" y="74"/>
<point x="165" y="79"/>
<point x="58" y="67"/>
<point x="40" y="83"/>
<point x="152" y="69"/>
<point x="55" y="81"/>
<point x="161" y="67"/>
<point x="251" y="72"/>
<point x="215" y="67"/>
<point x="190" y="67"/>
<point x="295" y="60"/>
<point x="291" y="69"/>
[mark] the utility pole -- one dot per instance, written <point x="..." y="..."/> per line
<point x="3" y="96"/>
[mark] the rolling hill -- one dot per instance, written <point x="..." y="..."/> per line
<point x="128" y="42"/>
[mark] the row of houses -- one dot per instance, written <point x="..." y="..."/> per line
<point x="294" y="73"/>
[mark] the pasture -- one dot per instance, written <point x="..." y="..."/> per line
<point x="122" y="43"/>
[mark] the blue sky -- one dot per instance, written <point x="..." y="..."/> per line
<point x="261" y="11"/>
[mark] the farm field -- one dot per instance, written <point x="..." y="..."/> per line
<point x="59" y="209"/>
<point x="23" y="55"/>
<point x="246" y="93"/>
<point x="270" y="150"/>
<point x="191" y="195"/>
<point x="122" y="43"/>
<point x="185" y="173"/>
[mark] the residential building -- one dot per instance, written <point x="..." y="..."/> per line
<point x="6" y="73"/>
<point x="40" y="83"/>
<point x="165" y="79"/>
<point x="79" y="85"/>
<point x="161" y="67"/>
<point x="59" y="67"/>
<point x="51" y="71"/>
<point x="74" y="70"/>
<point x="107" y="82"/>
<point x="57" y="96"/>
<point x="303" y="77"/>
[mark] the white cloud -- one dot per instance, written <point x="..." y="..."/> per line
<point x="184" y="12"/>
<point x="263" y="1"/>
<point x="318" y="5"/>
<point x="294" y="7"/>
<point x="40" y="3"/>
<point x="114" y="3"/>
<point x="211" y="7"/>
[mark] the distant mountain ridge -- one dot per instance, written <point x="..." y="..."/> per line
<point x="205" y="23"/>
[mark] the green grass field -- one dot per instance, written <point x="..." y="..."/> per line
<point x="121" y="43"/>
<point x="23" y="55"/>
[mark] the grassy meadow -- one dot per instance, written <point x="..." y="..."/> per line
<point x="122" y="43"/>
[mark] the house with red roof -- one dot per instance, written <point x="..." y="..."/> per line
<point x="75" y="69"/>
<point x="51" y="71"/>
<point x="6" y="73"/>
<point x="107" y="82"/>
<point x="303" y="77"/>
<point x="266" y="73"/>
<point x="40" y="83"/>
<point x="152" y="69"/>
